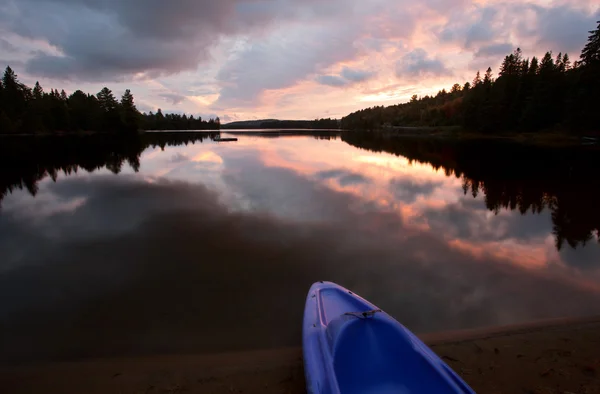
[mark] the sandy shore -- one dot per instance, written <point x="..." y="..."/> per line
<point x="559" y="356"/>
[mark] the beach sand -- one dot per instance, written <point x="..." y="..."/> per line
<point x="559" y="356"/>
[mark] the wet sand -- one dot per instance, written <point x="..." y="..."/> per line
<point x="558" y="356"/>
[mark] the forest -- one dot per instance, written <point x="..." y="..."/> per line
<point x="25" y="110"/>
<point x="529" y="95"/>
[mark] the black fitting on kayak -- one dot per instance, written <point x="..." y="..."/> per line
<point x="363" y="315"/>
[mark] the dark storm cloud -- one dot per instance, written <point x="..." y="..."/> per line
<point x="100" y="39"/>
<point x="418" y="64"/>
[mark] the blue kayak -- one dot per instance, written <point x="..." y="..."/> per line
<point x="351" y="346"/>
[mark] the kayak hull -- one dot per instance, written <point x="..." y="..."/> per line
<point x="350" y="346"/>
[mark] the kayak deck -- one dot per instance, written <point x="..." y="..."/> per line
<point x="350" y="346"/>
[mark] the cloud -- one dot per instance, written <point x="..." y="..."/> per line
<point x="332" y="80"/>
<point x="356" y="75"/>
<point x="347" y="77"/>
<point x="343" y="177"/>
<point x="179" y="158"/>
<point x="282" y="60"/>
<point x="408" y="190"/>
<point x="467" y="220"/>
<point x="7" y="46"/>
<point x="116" y="39"/>
<point x="418" y="64"/>
<point x="174" y="98"/>
<point x="563" y="28"/>
<point x="533" y="27"/>
<point x="494" y="50"/>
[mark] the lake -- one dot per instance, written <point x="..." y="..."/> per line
<point x="176" y="243"/>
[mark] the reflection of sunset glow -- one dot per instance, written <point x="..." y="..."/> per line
<point x="425" y="199"/>
<point x="523" y="255"/>
<point x="208" y="157"/>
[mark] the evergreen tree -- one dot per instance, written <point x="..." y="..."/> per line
<point x="14" y="97"/>
<point x="488" y="79"/>
<point x="566" y="62"/>
<point x="477" y="80"/>
<point x="109" y="107"/>
<point x="38" y="92"/>
<point x="591" y="52"/>
<point x="129" y="113"/>
<point x="585" y="99"/>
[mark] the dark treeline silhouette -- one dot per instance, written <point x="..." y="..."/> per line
<point x="276" y="133"/>
<point x="529" y="95"/>
<point x="159" y="121"/>
<point x="32" y="110"/>
<point x="284" y="124"/>
<point x="24" y="161"/>
<point x="563" y="181"/>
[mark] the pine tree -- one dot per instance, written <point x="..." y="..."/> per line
<point x="591" y="52"/>
<point x="585" y="100"/>
<point x="129" y="113"/>
<point x="534" y="66"/>
<point x="477" y="80"/>
<point x="110" y="118"/>
<point x="566" y="62"/>
<point x="38" y="91"/>
<point x="107" y="100"/>
<point x="14" y="96"/>
<point x="558" y="64"/>
<point x="488" y="79"/>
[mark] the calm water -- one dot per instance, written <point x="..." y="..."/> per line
<point x="181" y="244"/>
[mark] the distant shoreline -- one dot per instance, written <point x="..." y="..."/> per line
<point x="549" y="139"/>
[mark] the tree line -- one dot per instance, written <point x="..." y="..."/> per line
<point x="33" y="110"/>
<point x="529" y="95"/>
<point x="320" y="124"/>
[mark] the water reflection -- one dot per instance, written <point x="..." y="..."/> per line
<point x="513" y="176"/>
<point x="212" y="247"/>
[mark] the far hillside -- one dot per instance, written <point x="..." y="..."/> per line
<point x="529" y="95"/>
<point x="283" y="124"/>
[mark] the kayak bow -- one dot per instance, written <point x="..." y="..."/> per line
<point x="351" y="346"/>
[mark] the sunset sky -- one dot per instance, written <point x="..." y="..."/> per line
<point x="292" y="59"/>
